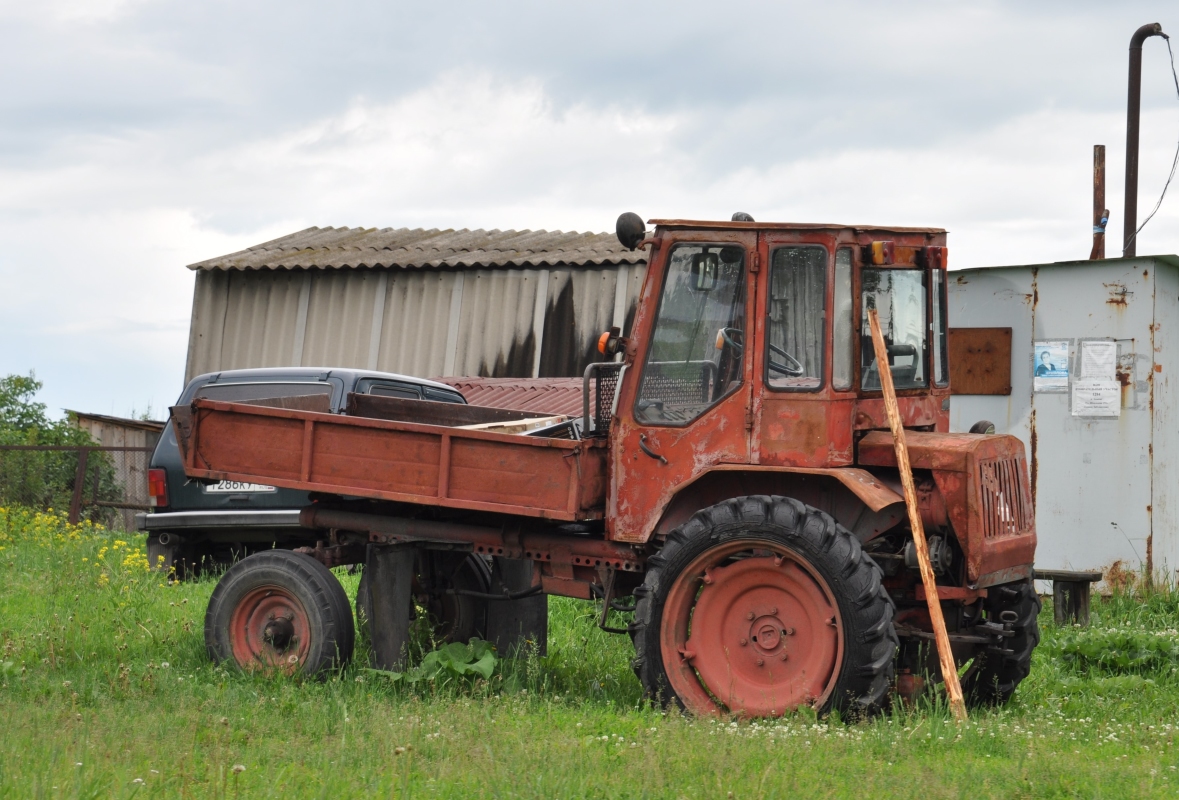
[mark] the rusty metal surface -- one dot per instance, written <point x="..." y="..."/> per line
<point x="547" y="395"/>
<point x="980" y="360"/>
<point x="868" y="231"/>
<point x="507" y="542"/>
<point x="985" y="485"/>
<point x="765" y="636"/>
<point x="400" y="461"/>
<point x="1103" y="488"/>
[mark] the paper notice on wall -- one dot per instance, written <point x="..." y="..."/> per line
<point x="1050" y="371"/>
<point x="1097" y="398"/>
<point x="1099" y="360"/>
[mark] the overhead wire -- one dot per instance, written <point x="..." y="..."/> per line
<point x="1174" y="162"/>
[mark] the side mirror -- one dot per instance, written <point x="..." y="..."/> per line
<point x="630" y="229"/>
<point x="705" y="268"/>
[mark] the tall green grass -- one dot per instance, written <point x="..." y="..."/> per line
<point x="105" y="691"/>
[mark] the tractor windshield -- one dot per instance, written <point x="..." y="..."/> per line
<point x="898" y="295"/>
<point x="697" y="349"/>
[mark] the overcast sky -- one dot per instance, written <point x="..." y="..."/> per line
<point x="141" y="136"/>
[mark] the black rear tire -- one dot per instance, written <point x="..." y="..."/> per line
<point x="863" y="680"/>
<point x="283" y="579"/>
<point x="993" y="678"/>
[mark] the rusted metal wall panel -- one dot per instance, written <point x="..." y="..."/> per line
<point x="501" y="322"/>
<point x="1163" y="399"/>
<point x="980" y="360"/>
<point x="1092" y="478"/>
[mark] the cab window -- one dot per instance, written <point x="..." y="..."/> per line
<point x="697" y="350"/>
<point x="899" y="297"/>
<point x="797" y="322"/>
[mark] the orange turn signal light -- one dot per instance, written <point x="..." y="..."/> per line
<point x="602" y="341"/>
<point x="882" y="253"/>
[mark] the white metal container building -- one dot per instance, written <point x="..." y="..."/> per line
<point x="521" y="304"/>
<point x="1101" y="426"/>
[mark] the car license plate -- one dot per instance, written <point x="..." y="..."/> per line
<point x="237" y="487"/>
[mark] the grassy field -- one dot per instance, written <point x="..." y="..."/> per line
<point x="105" y="691"/>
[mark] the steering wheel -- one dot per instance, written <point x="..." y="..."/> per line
<point x="734" y="339"/>
<point x="792" y="367"/>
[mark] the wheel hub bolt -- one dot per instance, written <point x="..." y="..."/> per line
<point x="783" y="656"/>
<point x="760" y="662"/>
<point x="744" y="641"/>
<point x="774" y="611"/>
<point x="749" y="616"/>
<point x="788" y="631"/>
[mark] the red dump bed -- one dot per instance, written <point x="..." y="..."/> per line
<point x="402" y="450"/>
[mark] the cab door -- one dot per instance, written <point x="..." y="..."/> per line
<point x="685" y="407"/>
<point x="803" y="392"/>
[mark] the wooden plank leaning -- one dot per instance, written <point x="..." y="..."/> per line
<point x="945" y="654"/>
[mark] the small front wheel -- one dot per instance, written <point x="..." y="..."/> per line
<point x="280" y="611"/>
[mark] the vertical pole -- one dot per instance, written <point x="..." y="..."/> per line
<point x="390" y="577"/>
<point x="945" y="654"/>
<point x="1100" y="212"/>
<point x="1133" y="113"/>
<point x="79" y="481"/>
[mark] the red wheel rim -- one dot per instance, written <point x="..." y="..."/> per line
<point x="269" y="630"/>
<point x="750" y="627"/>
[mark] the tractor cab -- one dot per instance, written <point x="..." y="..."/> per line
<point x="751" y="347"/>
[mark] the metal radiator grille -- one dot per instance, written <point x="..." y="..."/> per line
<point x="1006" y="507"/>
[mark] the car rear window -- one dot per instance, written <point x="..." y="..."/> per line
<point x="231" y="392"/>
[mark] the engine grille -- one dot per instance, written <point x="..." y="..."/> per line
<point x="1006" y="504"/>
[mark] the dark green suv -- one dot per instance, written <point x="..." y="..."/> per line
<point x="193" y="525"/>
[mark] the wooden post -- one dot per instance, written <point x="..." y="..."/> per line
<point x="945" y="654"/>
<point x="79" y="481"/>
<point x="1100" y="212"/>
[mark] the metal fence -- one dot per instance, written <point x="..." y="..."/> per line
<point x="102" y="484"/>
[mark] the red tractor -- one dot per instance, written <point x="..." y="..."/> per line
<point x="733" y="474"/>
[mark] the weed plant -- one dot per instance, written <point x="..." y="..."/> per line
<point x="106" y="691"/>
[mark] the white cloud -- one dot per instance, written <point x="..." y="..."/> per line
<point x="98" y="227"/>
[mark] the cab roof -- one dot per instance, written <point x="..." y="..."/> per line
<point x="787" y="226"/>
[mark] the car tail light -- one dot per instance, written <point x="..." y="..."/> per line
<point x="157" y="488"/>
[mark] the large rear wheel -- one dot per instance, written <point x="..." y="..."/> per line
<point x="759" y="605"/>
<point x="279" y="611"/>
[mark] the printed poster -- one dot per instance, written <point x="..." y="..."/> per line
<point x="1050" y="370"/>
<point x="1095" y="398"/>
<point x="1099" y="360"/>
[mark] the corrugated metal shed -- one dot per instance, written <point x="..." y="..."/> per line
<point x="1106" y="488"/>
<point x="519" y="304"/>
<point x="543" y="395"/>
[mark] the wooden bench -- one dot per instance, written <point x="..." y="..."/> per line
<point x="1070" y="594"/>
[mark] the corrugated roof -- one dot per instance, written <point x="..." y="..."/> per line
<point x="150" y="425"/>
<point x="339" y="248"/>
<point x="543" y="395"/>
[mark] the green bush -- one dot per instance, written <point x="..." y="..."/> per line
<point x="45" y="479"/>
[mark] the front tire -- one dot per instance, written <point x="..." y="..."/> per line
<point x="759" y="605"/>
<point x="280" y="611"/>
<point x="994" y="676"/>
